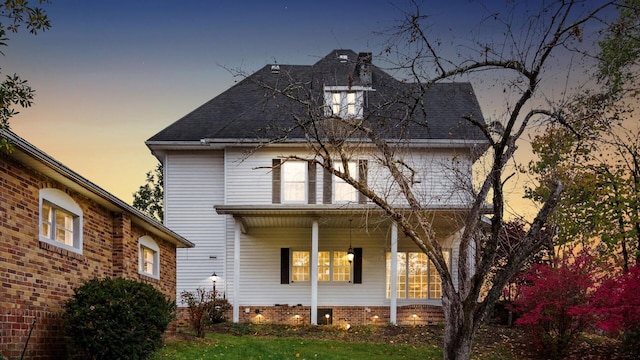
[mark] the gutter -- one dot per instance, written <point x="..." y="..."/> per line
<point x="108" y="200"/>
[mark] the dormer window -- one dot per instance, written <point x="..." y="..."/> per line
<point x="344" y="102"/>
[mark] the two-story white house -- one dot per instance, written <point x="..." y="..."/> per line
<point x="289" y="241"/>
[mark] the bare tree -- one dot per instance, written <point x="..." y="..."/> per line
<point x="536" y="37"/>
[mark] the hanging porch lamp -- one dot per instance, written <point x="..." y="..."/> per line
<point x="350" y="253"/>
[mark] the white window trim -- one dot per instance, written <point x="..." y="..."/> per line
<point x="147" y="242"/>
<point x="284" y="183"/>
<point x="60" y="200"/>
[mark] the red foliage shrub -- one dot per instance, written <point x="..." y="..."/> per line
<point x="617" y="307"/>
<point x="555" y="301"/>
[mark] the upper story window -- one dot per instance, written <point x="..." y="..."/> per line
<point x="294" y="181"/>
<point x="343" y="101"/>
<point x="417" y="278"/>
<point x="148" y="257"/>
<point x="343" y="191"/>
<point x="336" y="191"/>
<point x="60" y="220"/>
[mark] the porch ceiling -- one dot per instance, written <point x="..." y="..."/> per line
<point x="445" y="220"/>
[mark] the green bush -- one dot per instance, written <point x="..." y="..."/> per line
<point x="115" y="318"/>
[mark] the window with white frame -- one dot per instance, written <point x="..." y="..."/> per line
<point x="417" y="278"/>
<point x="148" y="257"/>
<point x="60" y="220"/>
<point x="334" y="266"/>
<point x="343" y="191"/>
<point x="294" y="181"/>
<point x="343" y="102"/>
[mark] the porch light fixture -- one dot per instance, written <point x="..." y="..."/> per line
<point x="214" y="279"/>
<point x="350" y="254"/>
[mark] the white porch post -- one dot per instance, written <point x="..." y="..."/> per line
<point x="393" y="303"/>
<point x="236" y="273"/>
<point x="314" y="272"/>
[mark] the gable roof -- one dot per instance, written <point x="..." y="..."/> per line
<point x="39" y="161"/>
<point x="264" y="104"/>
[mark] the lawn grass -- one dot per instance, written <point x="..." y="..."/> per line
<point x="225" y="346"/>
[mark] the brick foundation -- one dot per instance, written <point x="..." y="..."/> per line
<point x="354" y="315"/>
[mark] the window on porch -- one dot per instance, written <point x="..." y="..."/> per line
<point x="417" y="278"/>
<point x="299" y="266"/>
<point x="333" y="266"/>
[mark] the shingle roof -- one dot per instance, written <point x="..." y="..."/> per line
<point x="266" y="103"/>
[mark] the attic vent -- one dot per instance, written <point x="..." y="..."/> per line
<point x="275" y="69"/>
<point x="343" y="58"/>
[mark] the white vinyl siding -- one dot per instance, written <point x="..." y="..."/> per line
<point x="438" y="181"/>
<point x="249" y="181"/>
<point x="194" y="184"/>
<point x="260" y="262"/>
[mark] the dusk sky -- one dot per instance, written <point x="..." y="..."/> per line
<point x="110" y="74"/>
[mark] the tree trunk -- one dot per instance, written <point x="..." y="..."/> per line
<point x="458" y="331"/>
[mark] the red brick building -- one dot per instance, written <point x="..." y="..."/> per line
<point x="58" y="229"/>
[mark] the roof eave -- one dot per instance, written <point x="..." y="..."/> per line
<point x="36" y="158"/>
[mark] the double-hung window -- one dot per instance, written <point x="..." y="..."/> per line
<point x="334" y="266"/>
<point x="294" y="181"/>
<point x="148" y="257"/>
<point x="300" y="266"/>
<point x="60" y="220"/>
<point x="416" y="277"/>
<point x="343" y="191"/>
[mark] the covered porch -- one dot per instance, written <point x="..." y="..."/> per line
<point x="349" y="220"/>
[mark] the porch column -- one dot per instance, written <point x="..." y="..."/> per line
<point x="393" y="303"/>
<point x="236" y="272"/>
<point x="314" y="272"/>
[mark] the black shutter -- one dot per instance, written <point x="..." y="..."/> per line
<point x="284" y="265"/>
<point x="326" y="187"/>
<point x="357" y="266"/>
<point x="311" y="173"/>
<point x="276" y="181"/>
<point x="362" y="178"/>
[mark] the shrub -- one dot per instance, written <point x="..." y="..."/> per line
<point x="115" y="318"/>
<point x="617" y="306"/>
<point x="554" y="302"/>
<point x="205" y="308"/>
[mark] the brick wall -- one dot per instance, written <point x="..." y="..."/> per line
<point x="37" y="278"/>
<point x="354" y="315"/>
